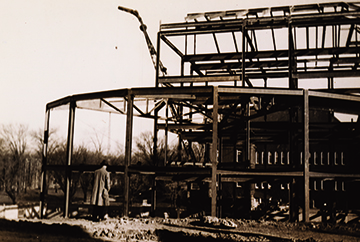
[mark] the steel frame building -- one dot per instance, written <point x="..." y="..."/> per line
<point x="234" y="84"/>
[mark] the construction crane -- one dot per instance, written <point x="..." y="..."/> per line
<point x="151" y="48"/>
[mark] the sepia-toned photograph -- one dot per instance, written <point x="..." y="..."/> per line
<point x="163" y="121"/>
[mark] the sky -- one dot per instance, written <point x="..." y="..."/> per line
<point x="50" y="49"/>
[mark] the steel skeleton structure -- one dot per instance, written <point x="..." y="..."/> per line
<point x="235" y="90"/>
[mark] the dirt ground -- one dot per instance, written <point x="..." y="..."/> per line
<point x="160" y="229"/>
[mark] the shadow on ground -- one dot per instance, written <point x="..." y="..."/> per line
<point x="170" y="236"/>
<point x="36" y="231"/>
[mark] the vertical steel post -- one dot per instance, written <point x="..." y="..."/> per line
<point x="220" y="197"/>
<point x="157" y="67"/>
<point x="250" y="162"/>
<point x="292" y="159"/>
<point x="155" y="140"/>
<point x="166" y="131"/>
<point x="109" y="134"/>
<point x="294" y="210"/>
<point x="243" y="51"/>
<point x="153" y="195"/>
<point x="214" y="151"/>
<point x="128" y="144"/>
<point x="44" y="163"/>
<point x="330" y="81"/>
<point x="292" y="81"/>
<point x="306" y="151"/>
<point x="248" y="136"/>
<point x="69" y="151"/>
<point x="156" y="85"/>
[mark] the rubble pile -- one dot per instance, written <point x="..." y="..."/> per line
<point x="157" y="229"/>
<point x="125" y="229"/>
<point x="218" y="222"/>
<point x="126" y="235"/>
<point x="193" y="228"/>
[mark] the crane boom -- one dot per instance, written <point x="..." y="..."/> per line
<point x="150" y="46"/>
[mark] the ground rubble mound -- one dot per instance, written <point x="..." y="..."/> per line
<point x="203" y="228"/>
<point x="159" y="229"/>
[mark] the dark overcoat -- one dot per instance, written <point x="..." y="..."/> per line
<point x="101" y="188"/>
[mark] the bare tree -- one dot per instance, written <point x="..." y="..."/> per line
<point x="58" y="157"/>
<point x="97" y="140"/>
<point x="144" y="154"/>
<point x="14" y="155"/>
<point x="54" y="143"/>
<point x="198" y="151"/>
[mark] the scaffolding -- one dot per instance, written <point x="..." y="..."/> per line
<point x="235" y="85"/>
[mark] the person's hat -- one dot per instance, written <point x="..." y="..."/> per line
<point x="104" y="163"/>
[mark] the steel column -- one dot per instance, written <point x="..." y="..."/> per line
<point x="243" y="52"/>
<point x="69" y="151"/>
<point x="214" y="151"/>
<point x="291" y="47"/>
<point x="306" y="152"/>
<point x="157" y="67"/>
<point x="44" y="163"/>
<point x="248" y="136"/>
<point x="293" y="193"/>
<point x="128" y="144"/>
<point x="153" y="195"/>
<point x="166" y="131"/>
<point x="155" y="140"/>
<point x="294" y="208"/>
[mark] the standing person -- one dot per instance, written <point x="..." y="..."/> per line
<point x="100" y="192"/>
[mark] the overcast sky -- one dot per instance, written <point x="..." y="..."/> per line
<point x="50" y="48"/>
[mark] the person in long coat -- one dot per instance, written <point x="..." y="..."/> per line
<point x="100" y="193"/>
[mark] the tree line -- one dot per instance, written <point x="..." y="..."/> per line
<point x="21" y="152"/>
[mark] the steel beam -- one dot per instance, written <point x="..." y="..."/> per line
<point x="69" y="151"/>
<point x="306" y="156"/>
<point x="166" y="131"/>
<point x="271" y="54"/>
<point x="243" y="54"/>
<point x="43" y="189"/>
<point x="344" y="97"/>
<point x="256" y="173"/>
<point x="261" y="91"/>
<point x="182" y="79"/>
<point x="326" y="74"/>
<point x="214" y="152"/>
<point x="157" y="64"/>
<point x="128" y="147"/>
